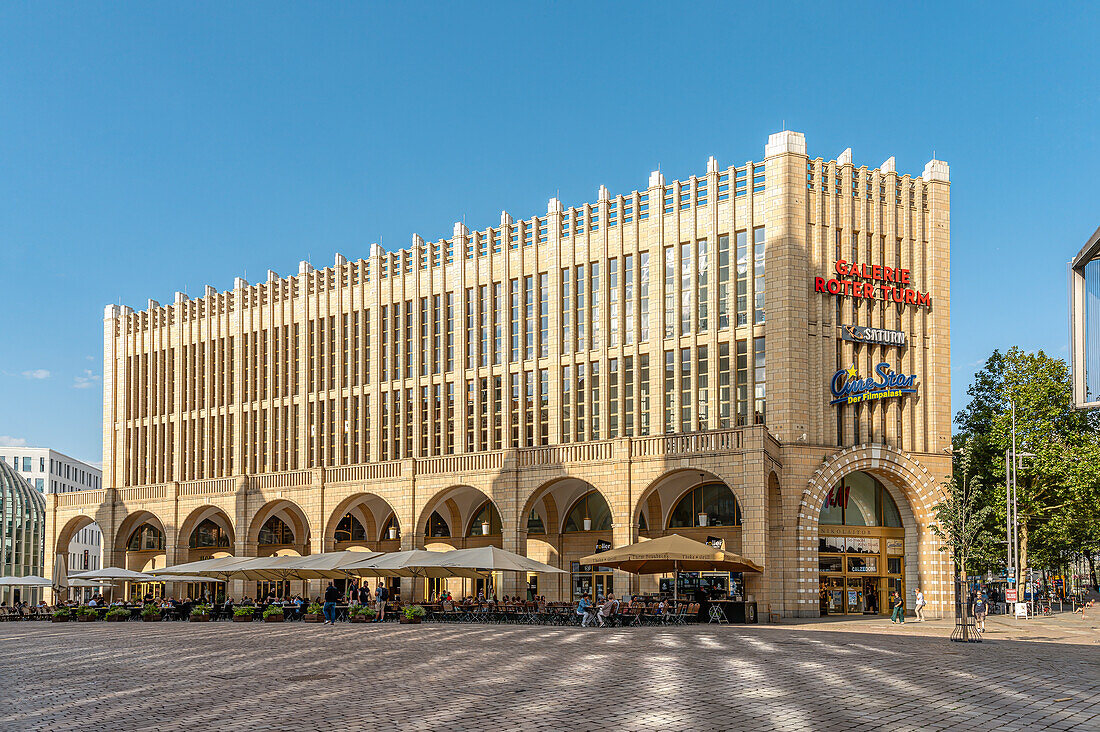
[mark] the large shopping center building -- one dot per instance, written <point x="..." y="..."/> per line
<point x="756" y="356"/>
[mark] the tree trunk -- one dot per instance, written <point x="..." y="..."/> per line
<point x="964" y="591"/>
<point x="1092" y="570"/>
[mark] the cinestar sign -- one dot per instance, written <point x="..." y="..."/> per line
<point x="878" y="336"/>
<point x="849" y="388"/>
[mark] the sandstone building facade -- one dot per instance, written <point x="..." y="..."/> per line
<point x="758" y="355"/>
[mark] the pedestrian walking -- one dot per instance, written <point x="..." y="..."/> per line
<point x="897" y="601"/>
<point x="918" y="608"/>
<point x="981" y="607"/>
<point x="332" y="596"/>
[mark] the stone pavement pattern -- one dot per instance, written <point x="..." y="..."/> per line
<point x="295" y="676"/>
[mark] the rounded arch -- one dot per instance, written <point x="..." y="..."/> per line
<point x="457" y="505"/>
<point x="370" y="510"/>
<point x="711" y="497"/>
<point x="588" y="512"/>
<point x="133" y="522"/>
<point x="214" y="514"/>
<point x="485" y="514"/>
<point x="661" y="496"/>
<point x="289" y="513"/>
<point x="552" y="500"/>
<point x="69" y="531"/>
<point x="914" y="491"/>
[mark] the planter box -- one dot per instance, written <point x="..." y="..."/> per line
<point x="311" y="618"/>
<point x="242" y="618"/>
<point x="151" y="618"/>
<point x="59" y="620"/>
<point x="117" y="618"/>
<point x="199" y="618"/>
<point x="410" y="621"/>
<point x="87" y="618"/>
<point x="274" y="618"/>
<point x="359" y="619"/>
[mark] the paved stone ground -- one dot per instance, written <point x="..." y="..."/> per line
<point x="236" y="676"/>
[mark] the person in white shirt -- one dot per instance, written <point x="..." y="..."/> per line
<point x="918" y="609"/>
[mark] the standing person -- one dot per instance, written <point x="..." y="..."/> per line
<point x="897" y="601"/>
<point x="981" y="607"/>
<point x="332" y="596"/>
<point x="364" y="594"/>
<point x="381" y="594"/>
<point x="918" y="608"/>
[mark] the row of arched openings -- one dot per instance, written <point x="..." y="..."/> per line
<point x="590" y="512"/>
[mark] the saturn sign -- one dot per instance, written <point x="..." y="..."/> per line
<point x="849" y="388"/>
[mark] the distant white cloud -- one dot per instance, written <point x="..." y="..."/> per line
<point x="7" y="441"/>
<point x="36" y="374"/>
<point x="85" y="381"/>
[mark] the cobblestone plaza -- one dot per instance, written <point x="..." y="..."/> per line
<point x="266" y="677"/>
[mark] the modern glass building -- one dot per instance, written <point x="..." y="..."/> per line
<point x="1084" y="308"/>
<point x="23" y="511"/>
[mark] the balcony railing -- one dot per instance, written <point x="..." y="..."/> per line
<point x="656" y="446"/>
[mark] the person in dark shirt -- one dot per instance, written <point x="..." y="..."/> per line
<point x="332" y="596"/>
<point x="364" y="595"/>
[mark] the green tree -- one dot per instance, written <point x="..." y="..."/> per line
<point x="1057" y="487"/>
<point x="962" y="518"/>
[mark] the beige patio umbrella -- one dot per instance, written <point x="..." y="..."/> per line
<point x="328" y="565"/>
<point x="221" y="567"/>
<point x="495" y="559"/>
<point x="411" y="563"/>
<point x="30" y="580"/>
<point x="114" y="574"/>
<point x="671" y="553"/>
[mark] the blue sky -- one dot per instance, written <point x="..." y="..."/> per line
<point x="148" y="148"/>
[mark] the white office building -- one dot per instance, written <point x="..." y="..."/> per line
<point x="50" y="471"/>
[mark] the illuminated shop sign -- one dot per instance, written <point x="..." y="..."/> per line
<point x="878" y="336"/>
<point x="873" y="282"/>
<point x="849" y="388"/>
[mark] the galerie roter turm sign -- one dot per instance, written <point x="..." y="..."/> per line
<point x="849" y="388"/>
<point x="882" y="283"/>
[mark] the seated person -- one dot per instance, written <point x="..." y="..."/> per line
<point x="586" y="610"/>
<point x="608" y="610"/>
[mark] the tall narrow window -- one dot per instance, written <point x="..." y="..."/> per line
<point x="723" y="385"/>
<point x="670" y="385"/>
<point x="643" y="393"/>
<point x="643" y="296"/>
<point x="513" y="321"/>
<point x="758" y="272"/>
<point x="544" y="406"/>
<point x="529" y="316"/>
<point x="686" y="423"/>
<point x="450" y="331"/>
<point x="702" y="262"/>
<point x="760" y="382"/>
<point x="628" y="396"/>
<point x="613" y="398"/>
<point x="702" y="393"/>
<point x="742" y="278"/>
<point x="566" y="311"/>
<point x="566" y="398"/>
<point x="580" y="396"/>
<point x="628" y="298"/>
<point x="471" y="329"/>
<point x="544" y="316"/>
<point x="483" y="316"/>
<point x="742" y="382"/>
<point x="498" y="323"/>
<point x="670" y="291"/>
<point x="596" y="327"/>
<point x="594" y="391"/>
<point x="579" y="280"/>
<point x="613" y="302"/>
<point x="723" y="281"/>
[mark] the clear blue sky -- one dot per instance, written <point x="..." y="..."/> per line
<point x="148" y="148"/>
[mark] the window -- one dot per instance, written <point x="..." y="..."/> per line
<point x="724" y="187"/>
<point x="702" y="263"/>
<point x="628" y="298"/>
<point x="723" y="281"/>
<point x="716" y="500"/>
<point x="535" y="524"/>
<point x="566" y="311"/>
<point x="350" y="529"/>
<point x="742" y="239"/>
<point x="670" y="291"/>
<point x="208" y="534"/>
<point x="643" y="297"/>
<point x="437" y="527"/>
<point x="643" y="206"/>
<point x="26" y="465"/>
<point x="859" y="499"/>
<point x="686" y="288"/>
<point x="146" y="538"/>
<point x="759" y="381"/>
<point x="758" y="272"/>
<point x="589" y="513"/>
<point x="486" y="515"/>
<point x="613" y="302"/>
<point x="275" y="531"/>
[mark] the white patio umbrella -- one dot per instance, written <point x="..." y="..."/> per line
<point x="495" y="559"/>
<point x="411" y="563"/>
<point x="61" y="575"/>
<point x="186" y="578"/>
<point x="328" y="565"/>
<point x="31" y="580"/>
<point x="114" y="574"/>
<point x="221" y="567"/>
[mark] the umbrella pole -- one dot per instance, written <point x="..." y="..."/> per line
<point x="675" y="583"/>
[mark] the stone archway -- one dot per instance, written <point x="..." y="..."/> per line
<point x="185" y="552"/>
<point x="289" y="513"/>
<point x="915" y="491"/>
<point x="373" y="514"/>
